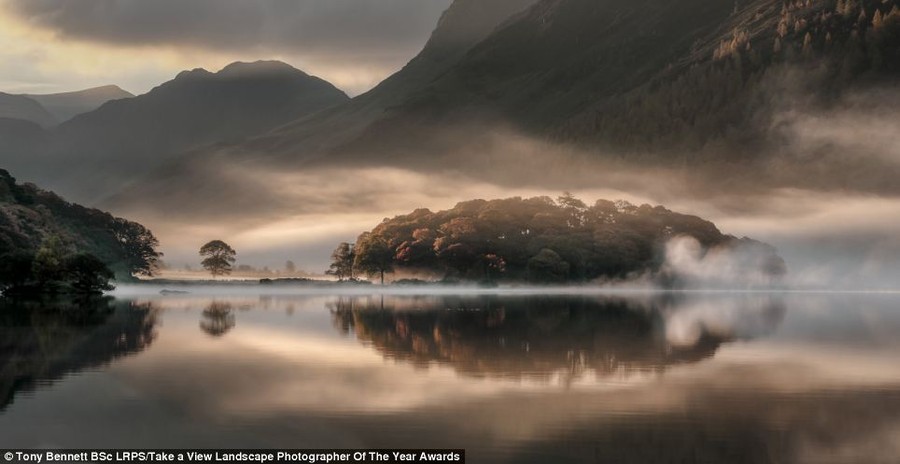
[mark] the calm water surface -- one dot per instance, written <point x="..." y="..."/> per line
<point x="531" y="378"/>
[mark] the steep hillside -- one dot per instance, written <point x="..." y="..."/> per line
<point x="25" y="109"/>
<point x="649" y="74"/>
<point x="464" y="24"/>
<point x="29" y="215"/>
<point x="67" y="105"/>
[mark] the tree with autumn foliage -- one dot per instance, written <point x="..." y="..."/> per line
<point x="535" y="239"/>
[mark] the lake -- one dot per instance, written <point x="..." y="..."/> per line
<point x="511" y="377"/>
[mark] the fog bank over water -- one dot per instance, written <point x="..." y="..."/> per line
<point x="828" y="239"/>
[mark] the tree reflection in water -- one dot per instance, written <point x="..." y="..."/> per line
<point x="218" y="318"/>
<point x="553" y="337"/>
<point x="43" y="340"/>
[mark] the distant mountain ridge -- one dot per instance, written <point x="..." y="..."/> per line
<point x="651" y="81"/>
<point x="664" y="84"/>
<point x="625" y="76"/>
<point x="66" y="105"/>
<point x="108" y="147"/>
<point x="463" y="24"/>
<point x="25" y="109"/>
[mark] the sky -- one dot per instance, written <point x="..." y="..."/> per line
<point x="61" y="45"/>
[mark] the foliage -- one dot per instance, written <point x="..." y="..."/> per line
<point x="50" y="261"/>
<point x="374" y="256"/>
<point x="724" y="95"/>
<point x="218" y="257"/>
<point x="88" y="274"/>
<point x="536" y="239"/>
<point x="53" y="269"/>
<point x="139" y="245"/>
<point x="548" y="266"/>
<point x="15" y="269"/>
<point x="661" y="82"/>
<point x="29" y="216"/>
<point x="342" y="262"/>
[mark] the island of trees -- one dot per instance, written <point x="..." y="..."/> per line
<point x="537" y="240"/>
<point x="48" y="245"/>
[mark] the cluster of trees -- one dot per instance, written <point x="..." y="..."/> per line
<point x="370" y="255"/>
<point x="54" y="268"/>
<point x="29" y="217"/>
<point x="535" y="239"/>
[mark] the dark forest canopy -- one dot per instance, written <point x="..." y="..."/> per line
<point x="30" y="216"/>
<point x="541" y="240"/>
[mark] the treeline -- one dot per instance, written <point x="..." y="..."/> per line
<point x="48" y="244"/>
<point x="724" y="90"/>
<point x="53" y="269"/>
<point x="536" y="239"/>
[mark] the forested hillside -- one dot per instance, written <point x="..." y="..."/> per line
<point x="29" y="217"/>
<point x="652" y="75"/>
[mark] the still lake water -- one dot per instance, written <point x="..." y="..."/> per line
<point x="629" y="377"/>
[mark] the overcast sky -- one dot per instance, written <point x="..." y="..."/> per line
<point x="59" y="45"/>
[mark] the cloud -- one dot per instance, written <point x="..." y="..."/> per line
<point x="342" y="27"/>
<point x="352" y="43"/>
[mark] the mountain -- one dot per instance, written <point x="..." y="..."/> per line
<point x="29" y="216"/>
<point x="105" y="148"/>
<point x="651" y="80"/>
<point x="463" y="24"/>
<point x="25" y="109"/>
<point x="682" y="85"/>
<point x="650" y="75"/>
<point x="67" y="105"/>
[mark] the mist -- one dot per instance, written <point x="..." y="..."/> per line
<point x="829" y="238"/>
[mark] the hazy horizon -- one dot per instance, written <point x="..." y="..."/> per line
<point x="53" y="46"/>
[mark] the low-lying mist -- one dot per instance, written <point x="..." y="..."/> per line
<point x="825" y="195"/>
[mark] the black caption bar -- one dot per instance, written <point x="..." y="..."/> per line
<point x="382" y="456"/>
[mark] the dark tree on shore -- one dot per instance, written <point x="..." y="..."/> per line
<point x="53" y="269"/>
<point x="219" y="258"/>
<point x="88" y="274"/>
<point x="50" y="260"/>
<point x="139" y="247"/>
<point x="15" y="269"/>
<point x="374" y="256"/>
<point x="342" y="262"/>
